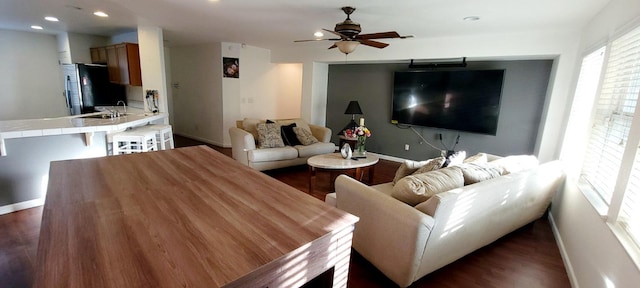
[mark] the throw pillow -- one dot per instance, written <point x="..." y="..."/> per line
<point x="515" y="163"/>
<point x="434" y="164"/>
<point x="415" y="189"/>
<point x="305" y="136"/>
<point x="269" y="135"/>
<point x="299" y="123"/>
<point x="409" y="167"/>
<point x="476" y="172"/>
<point x="455" y="158"/>
<point x="288" y="136"/>
<point x="478" y="158"/>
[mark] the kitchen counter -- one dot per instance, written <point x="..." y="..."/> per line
<point x="85" y="123"/>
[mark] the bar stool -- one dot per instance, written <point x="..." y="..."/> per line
<point x="134" y="141"/>
<point x="164" y="135"/>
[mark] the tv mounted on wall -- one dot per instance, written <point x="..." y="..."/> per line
<point x="465" y="100"/>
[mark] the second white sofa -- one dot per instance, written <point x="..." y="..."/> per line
<point x="245" y="150"/>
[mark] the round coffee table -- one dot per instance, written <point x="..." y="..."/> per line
<point x="335" y="162"/>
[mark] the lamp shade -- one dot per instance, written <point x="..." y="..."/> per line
<point x="347" y="46"/>
<point x="353" y="108"/>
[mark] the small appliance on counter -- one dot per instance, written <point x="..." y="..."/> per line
<point x="88" y="86"/>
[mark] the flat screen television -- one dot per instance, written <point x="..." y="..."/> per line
<point x="465" y="100"/>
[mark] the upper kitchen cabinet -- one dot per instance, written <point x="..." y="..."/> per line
<point x="99" y="55"/>
<point x="123" y="61"/>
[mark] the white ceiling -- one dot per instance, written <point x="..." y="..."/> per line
<point x="274" y="23"/>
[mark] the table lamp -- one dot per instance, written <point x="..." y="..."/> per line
<point x="353" y="108"/>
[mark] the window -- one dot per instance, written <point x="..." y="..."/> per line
<point x="605" y="108"/>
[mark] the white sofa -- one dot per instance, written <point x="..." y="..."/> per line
<point x="406" y="244"/>
<point x="244" y="146"/>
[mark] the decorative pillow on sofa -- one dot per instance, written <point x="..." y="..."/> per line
<point x="409" y="167"/>
<point x="299" y="123"/>
<point x="515" y="163"/>
<point x="455" y="158"/>
<point x="478" y="158"/>
<point x="415" y="189"/>
<point x="434" y="164"/>
<point x="269" y="135"/>
<point x="305" y="136"/>
<point x="288" y="136"/>
<point x="477" y="172"/>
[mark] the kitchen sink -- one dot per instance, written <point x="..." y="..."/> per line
<point x="104" y="116"/>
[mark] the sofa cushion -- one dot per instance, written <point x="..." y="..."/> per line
<point x="288" y="136"/>
<point x="305" y="136"/>
<point x="315" y="149"/>
<point x="515" y="163"/>
<point x="409" y="167"/>
<point x="272" y="154"/>
<point x="478" y="158"/>
<point x="477" y="172"/>
<point x="415" y="189"/>
<point x="269" y="135"/>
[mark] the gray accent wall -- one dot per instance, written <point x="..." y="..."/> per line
<point x="523" y="96"/>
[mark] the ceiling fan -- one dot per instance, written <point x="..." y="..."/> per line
<point x="350" y="37"/>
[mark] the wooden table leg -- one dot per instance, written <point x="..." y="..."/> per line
<point x="312" y="176"/>
<point x="371" y="171"/>
<point x="359" y="173"/>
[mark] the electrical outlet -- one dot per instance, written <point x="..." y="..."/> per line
<point x="406" y="147"/>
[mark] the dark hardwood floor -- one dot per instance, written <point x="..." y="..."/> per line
<point x="528" y="257"/>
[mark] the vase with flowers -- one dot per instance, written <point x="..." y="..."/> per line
<point x="360" y="134"/>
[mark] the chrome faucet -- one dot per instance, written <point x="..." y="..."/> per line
<point x="123" y="105"/>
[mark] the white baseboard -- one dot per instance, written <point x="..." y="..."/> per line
<point x="208" y="141"/>
<point x="563" y="253"/>
<point x="21" y="206"/>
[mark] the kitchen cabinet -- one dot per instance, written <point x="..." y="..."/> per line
<point x="99" y="55"/>
<point x="123" y="63"/>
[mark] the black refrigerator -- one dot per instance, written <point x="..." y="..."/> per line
<point x="87" y="86"/>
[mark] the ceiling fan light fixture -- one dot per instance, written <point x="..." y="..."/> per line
<point x="347" y="46"/>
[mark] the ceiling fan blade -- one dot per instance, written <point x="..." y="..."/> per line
<point x="336" y="33"/>
<point x="333" y="46"/>
<point x="390" y="34"/>
<point x="406" y="36"/>
<point x="373" y="43"/>
<point x="310" y="40"/>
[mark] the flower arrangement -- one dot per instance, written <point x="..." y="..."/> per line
<point x="360" y="133"/>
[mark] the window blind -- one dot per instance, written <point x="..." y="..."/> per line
<point x="613" y="114"/>
<point x="629" y="61"/>
<point x="629" y="217"/>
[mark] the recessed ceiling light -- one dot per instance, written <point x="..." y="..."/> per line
<point x="36" y="27"/>
<point x="51" y="18"/>
<point x="100" y="14"/>
<point x="318" y="34"/>
<point x="471" y="18"/>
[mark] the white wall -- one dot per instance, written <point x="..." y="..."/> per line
<point x="30" y="77"/>
<point x="151" y="46"/>
<point x="592" y="251"/>
<point x="206" y="104"/>
<point x="80" y="44"/>
<point x="288" y="95"/>
<point x="196" y="72"/>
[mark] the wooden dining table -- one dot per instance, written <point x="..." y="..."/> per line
<point x="187" y="217"/>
